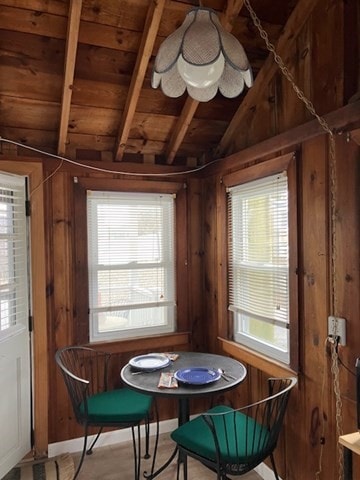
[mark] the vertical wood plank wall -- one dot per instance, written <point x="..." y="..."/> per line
<point x="311" y="419"/>
<point x="311" y="413"/>
<point x="311" y="407"/>
<point x="317" y="63"/>
<point x="61" y="288"/>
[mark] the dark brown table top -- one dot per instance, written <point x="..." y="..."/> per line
<point x="147" y="382"/>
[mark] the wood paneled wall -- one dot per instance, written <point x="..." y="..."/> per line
<point x="63" y="287"/>
<point x="311" y="419"/>
<point x="319" y="65"/>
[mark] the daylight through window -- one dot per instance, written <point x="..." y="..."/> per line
<point x="14" y="311"/>
<point x="131" y="260"/>
<point x="259" y="264"/>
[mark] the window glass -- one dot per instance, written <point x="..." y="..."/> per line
<point x="14" y="310"/>
<point x="259" y="264"/>
<point x="131" y="262"/>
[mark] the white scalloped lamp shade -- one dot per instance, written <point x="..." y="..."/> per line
<point x="202" y="58"/>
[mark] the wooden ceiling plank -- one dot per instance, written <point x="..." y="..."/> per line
<point x="70" y="58"/>
<point x="355" y="135"/>
<point x="292" y="29"/>
<point x="230" y="14"/>
<point x="148" y="158"/>
<point x="52" y="23"/>
<point x="232" y="10"/>
<point x="147" y="43"/>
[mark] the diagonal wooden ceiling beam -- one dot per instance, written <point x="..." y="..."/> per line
<point x="232" y="10"/>
<point x="181" y="127"/>
<point x="292" y="29"/>
<point x="146" y="47"/>
<point x="70" y="58"/>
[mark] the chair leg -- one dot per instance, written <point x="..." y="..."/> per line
<point x="274" y="466"/>
<point x="147" y="435"/>
<point x="137" y="451"/>
<point x="134" y="450"/>
<point x="156" y="437"/>
<point x="185" y="470"/>
<point x="178" y="470"/>
<point x="89" y="451"/>
<point x="82" y="453"/>
<point x="180" y="461"/>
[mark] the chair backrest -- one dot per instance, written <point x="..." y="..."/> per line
<point x="244" y="437"/>
<point x="85" y="373"/>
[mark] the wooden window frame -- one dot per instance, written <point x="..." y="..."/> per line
<point x="81" y="302"/>
<point x="276" y="165"/>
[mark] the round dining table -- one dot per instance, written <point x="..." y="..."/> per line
<point x="229" y="374"/>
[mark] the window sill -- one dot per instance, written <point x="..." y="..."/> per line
<point x="173" y="340"/>
<point x="256" y="360"/>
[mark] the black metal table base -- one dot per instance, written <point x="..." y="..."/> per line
<point x="150" y="476"/>
<point x="183" y="417"/>
<point x="148" y="384"/>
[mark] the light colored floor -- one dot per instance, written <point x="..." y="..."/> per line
<point x="115" y="462"/>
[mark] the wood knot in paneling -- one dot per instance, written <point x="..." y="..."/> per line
<point x="310" y="277"/>
<point x="49" y="289"/>
<point x="313" y="177"/>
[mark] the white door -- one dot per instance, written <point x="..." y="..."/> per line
<point x="15" y="396"/>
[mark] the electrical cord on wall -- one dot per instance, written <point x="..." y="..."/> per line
<point x="98" y="169"/>
<point x="338" y="402"/>
<point x="332" y="343"/>
<point x="346" y="366"/>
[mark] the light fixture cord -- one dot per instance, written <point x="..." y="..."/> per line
<point x="333" y="202"/>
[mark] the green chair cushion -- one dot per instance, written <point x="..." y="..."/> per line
<point x="240" y="437"/>
<point x="117" y="406"/>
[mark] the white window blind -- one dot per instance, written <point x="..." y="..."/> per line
<point x="131" y="260"/>
<point x="259" y="264"/>
<point x="13" y="255"/>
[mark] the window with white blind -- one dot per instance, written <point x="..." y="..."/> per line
<point x="131" y="264"/>
<point x="259" y="264"/>
<point x="14" y="310"/>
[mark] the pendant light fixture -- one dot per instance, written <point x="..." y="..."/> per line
<point x="202" y="58"/>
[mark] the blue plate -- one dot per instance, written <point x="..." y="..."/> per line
<point x="197" y="375"/>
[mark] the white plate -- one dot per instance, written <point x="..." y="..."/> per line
<point x="150" y="361"/>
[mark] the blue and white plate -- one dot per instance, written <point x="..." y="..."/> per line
<point x="197" y="375"/>
<point x="150" y="361"/>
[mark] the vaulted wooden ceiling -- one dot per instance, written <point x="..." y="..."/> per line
<point x="75" y="77"/>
